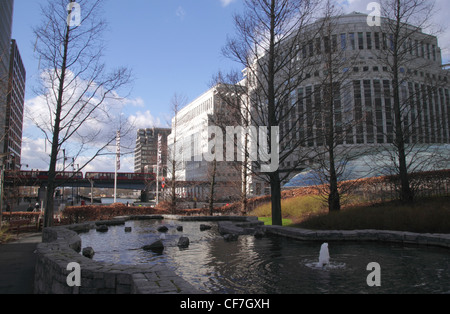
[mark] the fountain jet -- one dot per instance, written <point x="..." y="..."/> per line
<point x="324" y="256"/>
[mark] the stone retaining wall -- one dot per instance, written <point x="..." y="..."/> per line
<point x="441" y="240"/>
<point x="62" y="245"/>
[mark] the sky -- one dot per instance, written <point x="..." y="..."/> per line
<point x="171" y="46"/>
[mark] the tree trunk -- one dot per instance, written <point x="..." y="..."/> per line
<point x="275" y="185"/>
<point x="406" y="194"/>
<point x="275" y="189"/>
<point x="48" y="215"/>
<point x="211" y="189"/>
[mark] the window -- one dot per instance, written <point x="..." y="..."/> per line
<point x="428" y="52"/>
<point x="352" y="40"/>
<point x="377" y="41"/>
<point x="334" y="43"/>
<point x="368" y="111"/>
<point x="343" y="41"/>
<point x="434" y="52"/>
<point x="358" y="112"/>
<point x="360" y="41"/>
<point x="326" y="41"/>
<point x="318" y="46"/>
<point x="369" y="40"/>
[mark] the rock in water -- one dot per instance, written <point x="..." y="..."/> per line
<point x="157" y="247"/>
<point x="102" y="228"/>
<point x="88" y="252"/>
<point x="230" y="237"/>
<point x="183" y="242"/>
<point x="162" y="229"/>
<point x="204" y="227"/>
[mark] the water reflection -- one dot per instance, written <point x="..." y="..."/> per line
<point x="274" y="264"/>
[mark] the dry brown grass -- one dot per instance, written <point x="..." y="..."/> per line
<point x="430" y="215"/>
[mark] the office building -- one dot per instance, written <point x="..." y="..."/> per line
<point x="15" y="108"/>
<point x="189" y="139"/>
<point x="363" y="104"/>
<point x="6" y="18"/>
<point x="146" y="153"/>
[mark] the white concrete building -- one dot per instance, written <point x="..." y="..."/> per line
<point x="188" y="144"/>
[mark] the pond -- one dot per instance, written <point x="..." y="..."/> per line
<point x="273" y="265"/>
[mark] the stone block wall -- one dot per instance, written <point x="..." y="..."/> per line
<point x="62" y="245"/>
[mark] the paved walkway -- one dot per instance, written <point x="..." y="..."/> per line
<point x="17" y="263"/>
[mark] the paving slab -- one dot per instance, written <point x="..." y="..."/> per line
<point x="17" y="264"/>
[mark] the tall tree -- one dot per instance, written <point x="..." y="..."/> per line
<point x="333" y="114"/>
<point x="401" y="26"/>
<point x="268" y="43"/>
<point x="175" y="150"/>
<point x="77" y="90"/>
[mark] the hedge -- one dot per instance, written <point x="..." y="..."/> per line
<point x="78" y="214"/>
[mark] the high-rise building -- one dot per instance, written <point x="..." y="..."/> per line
<point x="6" y="17"/>
<point x="146" y="153"/>
<point x="188" y="145"/>
<point x="14" y="108"/>
<point x="358" y="59"/>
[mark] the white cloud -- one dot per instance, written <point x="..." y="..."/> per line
<point x="94" y="133"/>
<point x="33" y="154"/>
<point x="181" y="13"/>
<point x="144" y="120"/>
<point x="137" y="102"/>
<point x="226" y="2"/>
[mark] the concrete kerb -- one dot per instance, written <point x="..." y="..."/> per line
<point x="430" y="239"/>
<point x="61" y="245"/>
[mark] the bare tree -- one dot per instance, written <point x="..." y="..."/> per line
<point x="75" y="86"/>
<point x="407" y="53"/>
<point x="269" y="42"/>
<point x="333" y="116"/>
<point x="174" y="150"/>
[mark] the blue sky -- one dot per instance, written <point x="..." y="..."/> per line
<point x="172" y="46"/>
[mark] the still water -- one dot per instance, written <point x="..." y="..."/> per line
<point x="274" y="265"/>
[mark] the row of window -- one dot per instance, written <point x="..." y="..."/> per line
<point x="363" y="114"/>
<point x="205" y="106"/>
<point x="376" y="68"/>
<point x="369" y="41"/>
